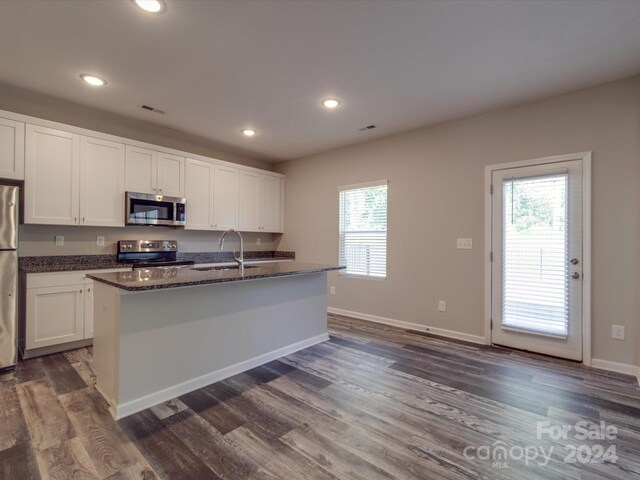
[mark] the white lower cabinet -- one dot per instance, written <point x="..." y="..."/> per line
<point x="55" y="315"/>
<point x="59" y="309"/>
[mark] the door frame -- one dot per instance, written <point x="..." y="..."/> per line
<point x="585" y="158"/>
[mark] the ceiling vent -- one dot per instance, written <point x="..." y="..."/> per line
<point x="368" y="127"/>
<point x="153" y="109"/>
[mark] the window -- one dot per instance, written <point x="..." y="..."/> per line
<point x="363" y="229"/>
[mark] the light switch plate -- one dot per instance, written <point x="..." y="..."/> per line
<point x="100" y="241"/>
<point x="442" y="306"/>
<point x="332" y="290"/>
<point x="59" y="240"/>
<point x="258" y="241"/>
<point x="617" y="332"/>
<point x="464" y="243"/>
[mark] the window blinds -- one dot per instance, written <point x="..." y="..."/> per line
<point x="363" y="229"/>
<point x="535" y="254"/>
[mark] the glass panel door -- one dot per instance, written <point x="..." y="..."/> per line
<point x="535" y="269"/>
<point x="537" y="252"/>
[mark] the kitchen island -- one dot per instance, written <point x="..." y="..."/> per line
<point x="161" y="333"/>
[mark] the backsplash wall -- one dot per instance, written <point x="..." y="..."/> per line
<point x="35" y="240"/>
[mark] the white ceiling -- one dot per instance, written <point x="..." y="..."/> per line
<point x="216" y="67"/>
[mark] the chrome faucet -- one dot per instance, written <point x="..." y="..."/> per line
<point x="240" y="259"/>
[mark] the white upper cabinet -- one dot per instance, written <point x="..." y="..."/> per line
<point x="74" y="176"/>
<point x="52" y="176"/>
<point x="249" y="202"/>
<point x="154" y="172"/>
<point x="271" y="193"/>
<point x="11" y="149"/>
<point x="225" y="198"/>
<point x="141" y="170"/>
<point x="170" y="179"/>
<point x="199" y="194"/>
<point x="102" y="169"/>
<point x="260" y="200"/>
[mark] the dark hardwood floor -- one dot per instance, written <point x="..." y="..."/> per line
<point x="375" y="402"/>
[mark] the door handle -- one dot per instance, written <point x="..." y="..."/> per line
<point x="575" y="275"/>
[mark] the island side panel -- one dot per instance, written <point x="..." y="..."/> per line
<point x="106" y="341"/>
<point x="177" y="340"/>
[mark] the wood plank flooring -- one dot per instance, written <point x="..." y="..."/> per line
<point x="375" y="402"/>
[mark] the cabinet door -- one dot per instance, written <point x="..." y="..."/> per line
<point x="88" y="308"/>
<point x="11" y="149"/>
<point x="199" y="194"/>
<point x="248" y="202"/>
<point x="52" y="176"/>
<point x="225" y="198"/>
<point x="170" y="175"/>
<point x="102" y="167"/>
<point x="271" y="196"/>
<point x="141" y="170"/>
<point x="54" y="315"/>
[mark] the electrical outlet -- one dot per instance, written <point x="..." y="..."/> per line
<point x="258" y="241"/>
<point x="464" y="243"/>
<point x="100" y="241"/>
<point x="332" y="290"/>
<point x="442" y="306"/>
<point x="59" y="240"/>
<point x="617" y="332"/>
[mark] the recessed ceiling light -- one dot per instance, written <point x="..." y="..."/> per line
<point x="331" y="103"/>
<point x="151" y="6"/>
<point x="249" y="132"/>
<point x="93" y="80"/>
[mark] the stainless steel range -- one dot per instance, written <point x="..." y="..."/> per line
<point x="150" y="253"/>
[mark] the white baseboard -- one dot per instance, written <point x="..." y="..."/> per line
<point x="409" y="325"/>
<point x="142" y="403"/>
<point x="616" y="367"/>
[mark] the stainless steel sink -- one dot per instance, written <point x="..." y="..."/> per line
<point x="205" y="269"/>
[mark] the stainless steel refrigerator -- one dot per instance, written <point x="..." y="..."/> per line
<point x="8" y="276"/>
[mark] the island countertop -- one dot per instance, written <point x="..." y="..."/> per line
<point x="174" y="277"/>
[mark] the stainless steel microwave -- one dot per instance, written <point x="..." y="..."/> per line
<point x="147" y="209"/>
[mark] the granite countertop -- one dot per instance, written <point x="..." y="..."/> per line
<point x="75" y="263"/>
<point x="172" y="277"/>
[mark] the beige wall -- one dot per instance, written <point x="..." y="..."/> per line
<point x="17" y="100"/>
<point x="39" y="239"/>
<point x="436" y="193"/>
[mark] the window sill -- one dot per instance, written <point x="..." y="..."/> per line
<point x="362" y="277"/>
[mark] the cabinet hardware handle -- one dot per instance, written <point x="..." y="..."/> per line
<point x="80" y="290"/>
<point x="88" y="290"/>
<point x="75" y="219"/>
<point x="83" y="219"/>
<point x="10" y="294"/>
